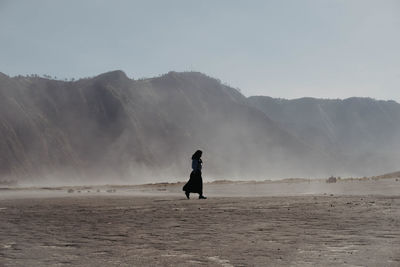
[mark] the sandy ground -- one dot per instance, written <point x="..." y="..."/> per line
<point x="295" y="224"/>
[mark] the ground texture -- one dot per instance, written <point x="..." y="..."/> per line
<point x="312" y="230"/>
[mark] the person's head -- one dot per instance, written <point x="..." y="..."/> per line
<point x="197" y="154"/>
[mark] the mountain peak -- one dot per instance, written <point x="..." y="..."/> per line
<point x="2" y="75"/>
<point x="112" y="76"/>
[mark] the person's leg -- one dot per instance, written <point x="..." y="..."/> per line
<point x="201" y="188"/>
<point x="189" y="185"/>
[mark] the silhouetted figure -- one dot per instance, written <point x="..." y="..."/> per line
<point x="195" y="184"/>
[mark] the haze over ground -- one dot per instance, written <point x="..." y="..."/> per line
<point x="112" y="129"/>
<point x="288" y="49"/>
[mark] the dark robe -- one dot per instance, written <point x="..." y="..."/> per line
<point x="195" y="184"/>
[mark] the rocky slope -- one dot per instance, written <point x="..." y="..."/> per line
<point x="111" y="128"/>
<point x="362" y="134"/>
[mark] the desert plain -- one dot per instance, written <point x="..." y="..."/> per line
<point x="288" y="223"/>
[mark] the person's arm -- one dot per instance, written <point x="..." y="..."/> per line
<point x="194" y="164"/>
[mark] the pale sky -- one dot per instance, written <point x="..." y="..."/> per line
<point x="282" y="48"/>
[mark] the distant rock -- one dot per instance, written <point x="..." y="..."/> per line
<point x="331" y="180"/>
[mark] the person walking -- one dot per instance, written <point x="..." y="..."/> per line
<point x="195" y="183"/>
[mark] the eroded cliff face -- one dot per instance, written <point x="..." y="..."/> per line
<point x="362" y="134"/>
<point x="111" y="129"/>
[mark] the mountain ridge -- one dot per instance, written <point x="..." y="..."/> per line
<point x="112" y="127"/>
<point x="350" y="128"/>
